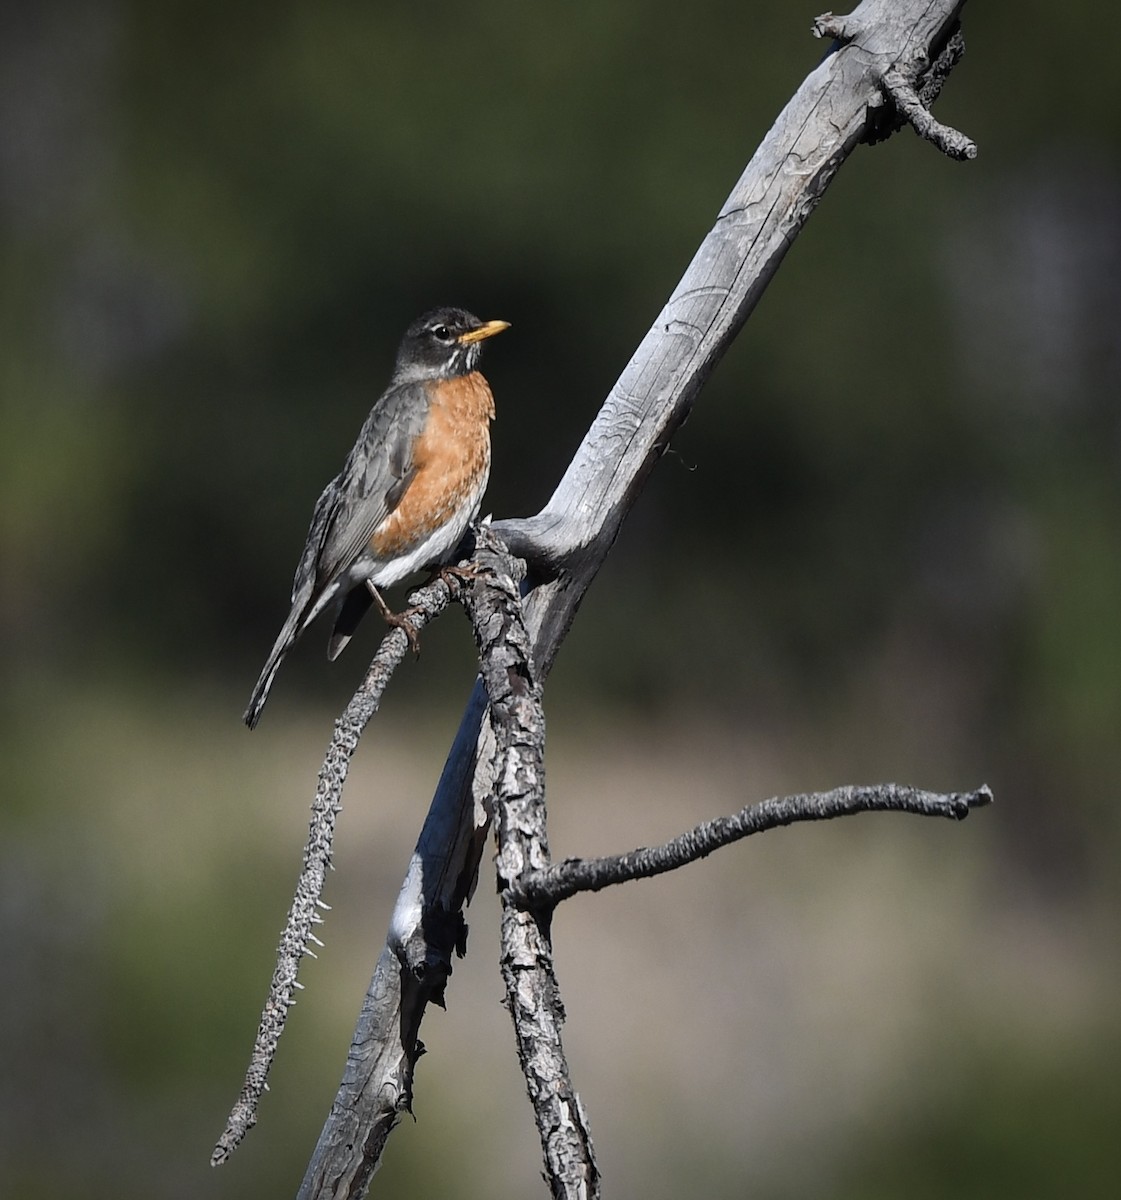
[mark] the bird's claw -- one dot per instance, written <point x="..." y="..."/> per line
<point x="404" y="620"/>
<point x="463" y="572"/>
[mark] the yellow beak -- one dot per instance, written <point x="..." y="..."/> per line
<point x="484" y="331"/>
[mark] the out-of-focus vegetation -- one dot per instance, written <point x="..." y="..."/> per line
<point x="888" y="544"/>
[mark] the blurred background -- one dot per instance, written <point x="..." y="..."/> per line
<point x="899" y="499"/>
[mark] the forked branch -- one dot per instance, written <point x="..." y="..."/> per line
<point x="835" y="109"/>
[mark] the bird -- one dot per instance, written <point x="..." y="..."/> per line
<point x="409" y="488"/>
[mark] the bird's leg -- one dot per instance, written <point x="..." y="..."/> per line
<point x="397" y="620"/>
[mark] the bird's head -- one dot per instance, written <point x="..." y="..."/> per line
<point x="444" y="342"/>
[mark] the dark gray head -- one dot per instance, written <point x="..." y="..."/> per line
<point x="443" y="343"/>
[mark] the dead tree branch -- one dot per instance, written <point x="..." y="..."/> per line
<point x="900" y="87"/>
<point x="532" y="994"/>
<point x="566" y="543"/>
<point x="303" y="914"/>
<point x="832" y="112"/>
<point x="544" y="889"/>
<point x="911" y="84"/>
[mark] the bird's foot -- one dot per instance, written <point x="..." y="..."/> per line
<point x="402" y="620"/>
<point x="466" y="572"/>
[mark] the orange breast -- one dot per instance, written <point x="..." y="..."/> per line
<point x="451" y="456"/>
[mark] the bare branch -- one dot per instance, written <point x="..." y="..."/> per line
<point x="899" y="84"/>
<point x="532" y="994"/>
<point x="547" y="887"/>
<point x="567" y="542"/>
<point x="827" y="118"/>
<point x="912" y="83"/>
<point x="303" y="913"/>
<point x="426" y="930"/>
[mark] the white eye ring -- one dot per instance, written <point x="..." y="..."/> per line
<point x="441" y="333"/>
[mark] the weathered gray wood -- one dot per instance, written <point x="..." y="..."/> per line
<point x="425" y="932"/>
<point x="567" y="542"/>
<point x="779" y="189"/>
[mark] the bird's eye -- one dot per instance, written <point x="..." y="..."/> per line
<point x="442" y="333"/>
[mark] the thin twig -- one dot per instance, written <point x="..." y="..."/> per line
<point x="547" y="887"/>
<point x="900" y="87"/>
<point x="532" y="994"/>
<point x="303" y="914"/>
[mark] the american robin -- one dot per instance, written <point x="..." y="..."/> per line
<point x="408" y="490"/>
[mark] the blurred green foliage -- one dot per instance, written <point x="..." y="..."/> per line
<point x="894" y="518"/>
<point x="1017" y="1125"/>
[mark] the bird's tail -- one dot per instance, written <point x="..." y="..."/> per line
<point x="351" y="611"/>
<point x="291" y="630"/>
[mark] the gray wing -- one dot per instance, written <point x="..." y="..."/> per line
<point x="376" y="474"/>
